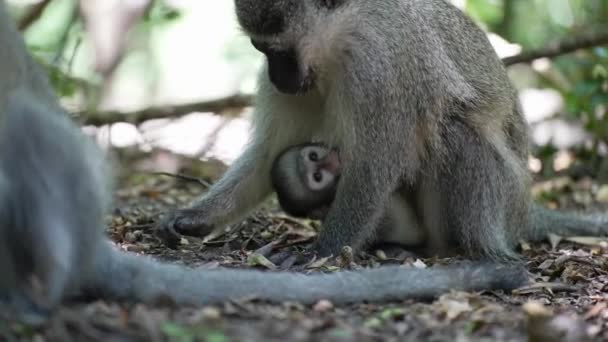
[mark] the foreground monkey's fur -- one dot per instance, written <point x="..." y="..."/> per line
<point x="414" y="96"/>
<point x="53" y="196"/>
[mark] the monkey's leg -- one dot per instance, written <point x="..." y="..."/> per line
<point x="378" y="154"/>
<point x="356" y="211"/>
<point x="400" y="225"/>
<point x="478" y="199"/>
<point x="245" y="184"/>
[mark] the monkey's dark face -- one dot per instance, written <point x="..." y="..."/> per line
<point x="285" y="70"/>
<point x="296" y="36"/>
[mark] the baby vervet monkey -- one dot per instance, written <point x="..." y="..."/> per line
<point x="418" y="102"/>
<point x="55" y="191"/>
<point x="305" y="178"/>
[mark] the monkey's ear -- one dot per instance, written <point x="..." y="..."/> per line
<point x="330" y="4"/>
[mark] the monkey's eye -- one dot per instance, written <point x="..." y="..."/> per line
<point x="313" y="156"/>
<point x="317" y="176"/>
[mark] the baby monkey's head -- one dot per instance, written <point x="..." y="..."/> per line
<point x="305" y="178"/>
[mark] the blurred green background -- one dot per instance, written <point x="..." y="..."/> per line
<point x="187" y="51"/>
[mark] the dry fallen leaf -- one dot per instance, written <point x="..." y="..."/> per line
<point x="323" y="306"/>
<point x="589" y="241"/>
<point x="602" y="194"/>
<point x="544" y="326"/>
<point x="453" y="307"/>
<point x="554" y="240"/>
<point x="256" y="259"/>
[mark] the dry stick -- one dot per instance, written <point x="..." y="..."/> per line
<point x="184" y="178"/>
<point x="32" y="15"/>
<point x="586" y="40"/>
<point x="582" y="41"/>
<point x="214" y="106"/>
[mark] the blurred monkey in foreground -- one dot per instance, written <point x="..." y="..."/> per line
<point x="54" y="192"/>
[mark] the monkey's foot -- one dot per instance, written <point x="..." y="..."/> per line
<point x="189" y="222"/>
<point x="323" y="248"/>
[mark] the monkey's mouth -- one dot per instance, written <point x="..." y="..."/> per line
<point x="284" y="69"/>
<point x="332" y="162"/>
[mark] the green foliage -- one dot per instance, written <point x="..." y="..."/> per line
<point x="62" y="83"/>
<point x="582" y="77"/>
<point x="176" y="332"/>
<point x="587" y="100"/>
<point x="160" y="13"/>
<point x="488" y="12"/>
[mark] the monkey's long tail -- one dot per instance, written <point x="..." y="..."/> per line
<point x="131" y="277"/>
<point x="544" y="221"/>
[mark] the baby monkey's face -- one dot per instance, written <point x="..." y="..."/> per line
<point x="319" y="167"/>
<point x="305" y="178"/>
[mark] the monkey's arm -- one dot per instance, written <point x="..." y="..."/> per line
<point x="135" y="278"/>
<point x="244" y="185"/>
<point x="381" y="153"/>
<point x="247" y="181"/>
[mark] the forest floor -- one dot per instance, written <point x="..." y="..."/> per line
<point x="568" y="299"/>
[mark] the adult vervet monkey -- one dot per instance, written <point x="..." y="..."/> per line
<point x="414" y="96"/>
<point x="305" y="178"/>
<point x="54" y="192"/>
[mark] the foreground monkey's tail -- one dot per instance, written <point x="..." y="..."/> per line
<point x="544" y="221"/>
<point x="132" y="277"/>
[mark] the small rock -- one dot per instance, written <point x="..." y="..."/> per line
<point x="602" y="194"/>
<point x="323" y="306"/>
<point x="130" y="237"/>
<point x="211" y="312"/>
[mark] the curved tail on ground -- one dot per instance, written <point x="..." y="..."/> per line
<point x="132" y="277"/>
<point x="544" y="221"/>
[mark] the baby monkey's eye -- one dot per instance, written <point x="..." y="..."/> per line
<point x="317" y="176"/>
<point x="313" y="156"/>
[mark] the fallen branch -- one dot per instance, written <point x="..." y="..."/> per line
<point x="185" y="178"/>
<point x="571" y="44"/>
<point x="567" y="45"/>
<point x="214" y="106"/>
<point x="32" y="15"/>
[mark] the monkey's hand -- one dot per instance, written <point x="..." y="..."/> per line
<point x="192" y="222"/>
<point x="292" y="259"/>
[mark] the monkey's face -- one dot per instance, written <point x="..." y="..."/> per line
<point x="319" y="167"/>
<point x="305" y="178"/>
<point x="296" y="37"/>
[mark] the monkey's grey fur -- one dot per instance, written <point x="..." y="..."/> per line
<point x="414" y="96"/>
<point x="291" y="180"/>
<point x="290" y="174"/>
<point x="53" y="196"/>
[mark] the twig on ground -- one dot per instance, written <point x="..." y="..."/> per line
<point x="184" y="178"/>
